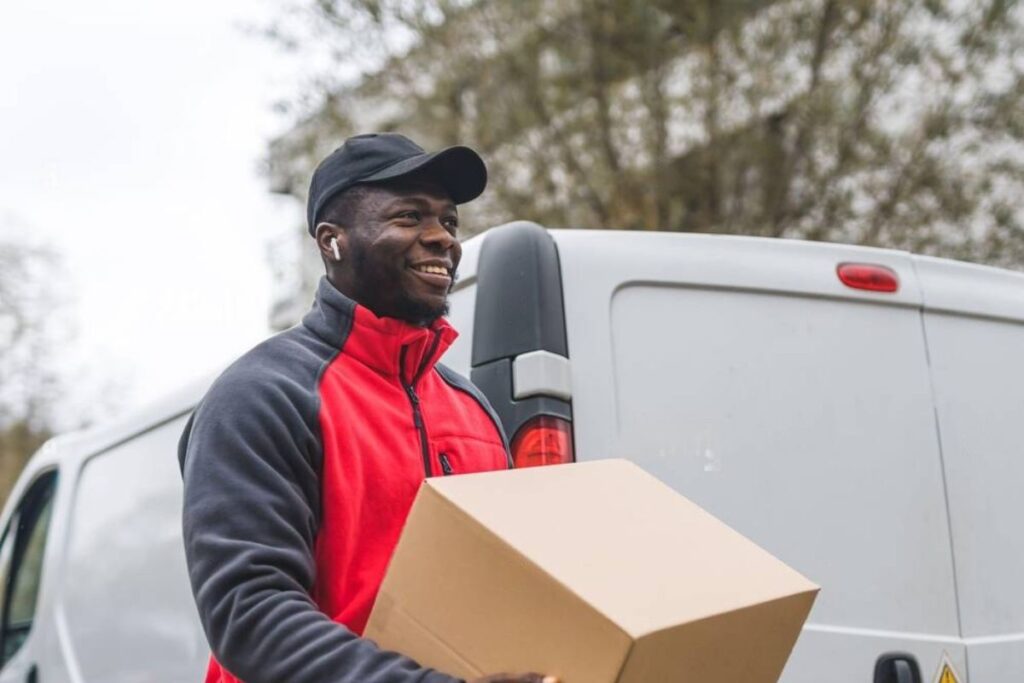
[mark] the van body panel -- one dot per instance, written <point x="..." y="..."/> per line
<point x="462" y="304"/>
<point x="980" y="415"/>
<point x="126" y="601"/>
<point x="970" y="289"/>
<point x="810" y="457"/>
<point x="848" y="656"/>
<point x="596" y="263"/>
<point x="996" y="661"/>
<point x="974" y="323"/>
<point x="728" y="261"/>
<point x="743" y="373"/>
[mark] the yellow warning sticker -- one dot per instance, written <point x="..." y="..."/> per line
<point x="947" y="673"/>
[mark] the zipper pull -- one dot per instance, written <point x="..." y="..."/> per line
<point x="446" y="466"/>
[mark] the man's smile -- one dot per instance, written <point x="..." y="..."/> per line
<point x="435" y="273"/>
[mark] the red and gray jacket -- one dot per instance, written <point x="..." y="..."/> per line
<point x="300" y="465"/>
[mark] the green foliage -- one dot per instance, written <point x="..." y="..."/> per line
<point x="893" y="123"/>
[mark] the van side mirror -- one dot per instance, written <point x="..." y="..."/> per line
<point x="897" y="667"/>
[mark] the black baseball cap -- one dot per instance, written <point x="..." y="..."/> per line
<point x="375" y="157"/>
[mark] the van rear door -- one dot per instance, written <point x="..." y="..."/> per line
<point x="743" y="373"/>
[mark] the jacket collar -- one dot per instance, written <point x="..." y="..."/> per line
<point x="389" y="346"/>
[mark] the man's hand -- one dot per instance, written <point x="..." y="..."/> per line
<point x="515" y="678"/>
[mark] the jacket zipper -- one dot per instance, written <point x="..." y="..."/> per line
<point x="417" y="419"/>
<point x="446" y="467"/>
<point x="417" y="415"/>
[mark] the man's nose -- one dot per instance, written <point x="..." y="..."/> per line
<point x="437" y="236"/>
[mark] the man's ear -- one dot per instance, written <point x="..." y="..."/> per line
<point x="326" y="233"/>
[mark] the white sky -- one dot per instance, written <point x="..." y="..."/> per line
<point x="130" y="134"/>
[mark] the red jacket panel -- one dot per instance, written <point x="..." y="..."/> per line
<point x="300" y="466"/>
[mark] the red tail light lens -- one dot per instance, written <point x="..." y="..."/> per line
<point x="543" y="440"/>
<point x="868" y="276"/>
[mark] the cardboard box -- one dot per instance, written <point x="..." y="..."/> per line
<point x="593" y="572"/>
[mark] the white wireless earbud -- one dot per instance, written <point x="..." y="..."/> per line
<point x="334" y="248"/>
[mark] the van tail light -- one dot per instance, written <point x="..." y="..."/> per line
<point x="543" y="440"/>
<point x="868" y="276"/>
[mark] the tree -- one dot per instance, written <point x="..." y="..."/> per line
<point x="29" y="330"/>
<point x="893" y="123"/>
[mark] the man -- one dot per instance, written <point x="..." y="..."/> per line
<point x="301" y="462"/>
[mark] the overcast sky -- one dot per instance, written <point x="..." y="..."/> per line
<point x="130" y="134"/>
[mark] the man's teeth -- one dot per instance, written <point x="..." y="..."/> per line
<point x="436" y="270"/>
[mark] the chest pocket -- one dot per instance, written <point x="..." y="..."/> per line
<point x="464" y="455"/>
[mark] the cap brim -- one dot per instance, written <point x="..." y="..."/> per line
<point x="459" y="170"/>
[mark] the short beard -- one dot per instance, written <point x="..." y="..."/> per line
<point x="415" y="312"/>
<point x="422" y="314"/>
<point x="419" y="313"/>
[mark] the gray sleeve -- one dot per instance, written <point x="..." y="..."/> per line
<point x="251" y="499"/>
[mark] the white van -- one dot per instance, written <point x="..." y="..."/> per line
<point x="857" y="412"/>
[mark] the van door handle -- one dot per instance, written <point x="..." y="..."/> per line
<point x="33" y="675"/>
<point x="897" y="667"/>
<point x="903" y="672"/>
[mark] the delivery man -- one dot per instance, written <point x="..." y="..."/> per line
<point x="302" y="461"/>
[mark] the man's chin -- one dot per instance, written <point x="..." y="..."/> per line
<point x="421" y="313"/>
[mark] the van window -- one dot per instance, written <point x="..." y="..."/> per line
<point x="21" y="562"/>
<point x="6" y="556"/>
<point x="127" y="598"/>
<point x="804" y="422"/>
<point x="25" y="583"/>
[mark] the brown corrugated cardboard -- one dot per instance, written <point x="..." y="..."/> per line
<point x="594" y="572"/>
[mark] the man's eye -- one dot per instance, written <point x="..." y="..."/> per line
<point x="410" y="215"/>
<point x="451" y="223"/>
